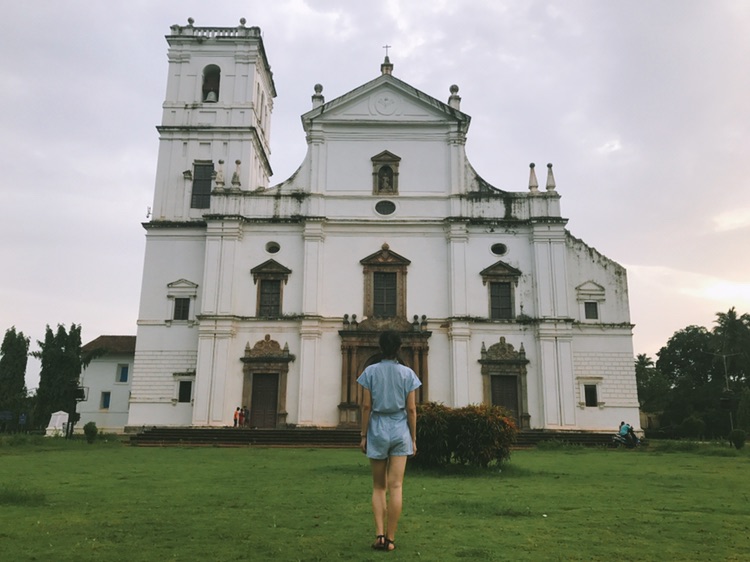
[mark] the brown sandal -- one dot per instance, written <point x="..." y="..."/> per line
<point x="389" y="545"/>
<point x="379" y="543"/>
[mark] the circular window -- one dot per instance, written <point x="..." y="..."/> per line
<point x="499" y="249"/>
<point x="272" y="247"/>
<point x="385" y="207"/>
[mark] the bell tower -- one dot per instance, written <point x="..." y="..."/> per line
<point x="216" y="119"/>
<point x="213" y="149"/>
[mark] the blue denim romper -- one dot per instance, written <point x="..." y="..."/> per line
<point x="388" y="432"/>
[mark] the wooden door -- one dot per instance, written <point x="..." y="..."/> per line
<point x="505" y="393"/>
<point x="264" y="403"/>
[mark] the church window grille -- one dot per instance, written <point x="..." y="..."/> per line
<point x="181" y="308"/>
<point x="185" y="391"/>
<point x="385" y="207"/>
<point x="590" y="395"/>
<point x="591" y="310"/>
<point x="202" y="178"/>
<point x="211" y="82"/>
<point x="385" y="294"/>
<point x="501" y="300"/>
<point x="499" y="249"/>
<point x="270" y="298"/>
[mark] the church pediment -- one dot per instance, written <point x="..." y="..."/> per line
<point x="385" y="256"/>
<point x="500" y="269"/>
<point x="386" y="99"/>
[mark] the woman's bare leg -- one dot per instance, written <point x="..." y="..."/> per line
<point x="396" y="469"/>
<point x="379" y="485"/>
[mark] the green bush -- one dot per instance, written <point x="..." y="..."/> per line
<point x="743" y="410"/>
<point x="90" y="430"/>
<point x="475" y="435"/>
<point x="692" y="427"/>
<point x="434" y="448"/>
<point x="737" y="438"/>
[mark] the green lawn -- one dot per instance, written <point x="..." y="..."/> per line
<point x="72" y="501"/>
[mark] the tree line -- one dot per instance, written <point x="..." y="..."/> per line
<point x="62" y="361"/>
<point x="699" y="385"/>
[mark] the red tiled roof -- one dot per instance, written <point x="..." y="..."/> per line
<point x="112" y="344"/>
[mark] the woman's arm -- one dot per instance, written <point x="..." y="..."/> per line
<point x="366" y="410"/>
<point x="411" y="417"/>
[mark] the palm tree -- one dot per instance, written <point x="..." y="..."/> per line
<point x="732" y="341"/>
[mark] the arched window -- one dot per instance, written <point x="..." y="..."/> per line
<point x="211" y="79"/>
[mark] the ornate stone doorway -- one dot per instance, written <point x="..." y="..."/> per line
<point x="265" y="369"/>
<point x="504" y="380"/>
<point x="359" y="349"/>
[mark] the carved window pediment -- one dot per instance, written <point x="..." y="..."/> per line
<point x="385" y="257"/>
<point x="590" y="291"/>
<point x="180" y="285"/>
<point x="500" y="271"/>
<point x="270" y="269"/>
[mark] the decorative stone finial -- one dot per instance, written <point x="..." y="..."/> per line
<point x="385" y="246"/>
<point x="243" y="21"/>
<point x="236" y="174"/>
<point x="454" y="100"/>
<point x="533" y="183"/>
<point x="317" y="98"/>
<point x="386" y="67"/>
<point x="220" y="175"/>
<point x="191" y="21"/>
<point x="550" y="178"/>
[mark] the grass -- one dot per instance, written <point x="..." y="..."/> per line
<point x="67" y="500"/>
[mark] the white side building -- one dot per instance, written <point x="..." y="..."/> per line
<point x="273" y="297"/>
<point x="106" y="382"/>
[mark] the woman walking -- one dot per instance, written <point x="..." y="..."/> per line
<point x="389" y="434"/>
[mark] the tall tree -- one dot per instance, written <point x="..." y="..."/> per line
<point x="62" y="362"/>
<point x="14" y="354"/>
<point x="696" y="380"/>
<point x="732" y="342"/>
<point x="653" y="386"/>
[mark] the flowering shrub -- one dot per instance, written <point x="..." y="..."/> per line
<point x="476" y="435"/>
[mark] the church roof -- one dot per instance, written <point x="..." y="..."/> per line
<point x="406" y="89"/>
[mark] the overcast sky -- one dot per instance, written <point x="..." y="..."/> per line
<point x="643" y="107"/>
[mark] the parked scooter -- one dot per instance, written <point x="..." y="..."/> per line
<point x="630" y="441"/>
<point x="626" y="437"/>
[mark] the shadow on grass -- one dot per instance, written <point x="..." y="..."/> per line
<point x="20" y="496"/>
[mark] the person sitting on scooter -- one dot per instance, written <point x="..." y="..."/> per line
<point x="627" y="433"/>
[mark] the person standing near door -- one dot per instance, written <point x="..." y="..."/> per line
<point x="389" y="434"/>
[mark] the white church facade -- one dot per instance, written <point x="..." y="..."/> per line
<point x="273" y="297"/>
